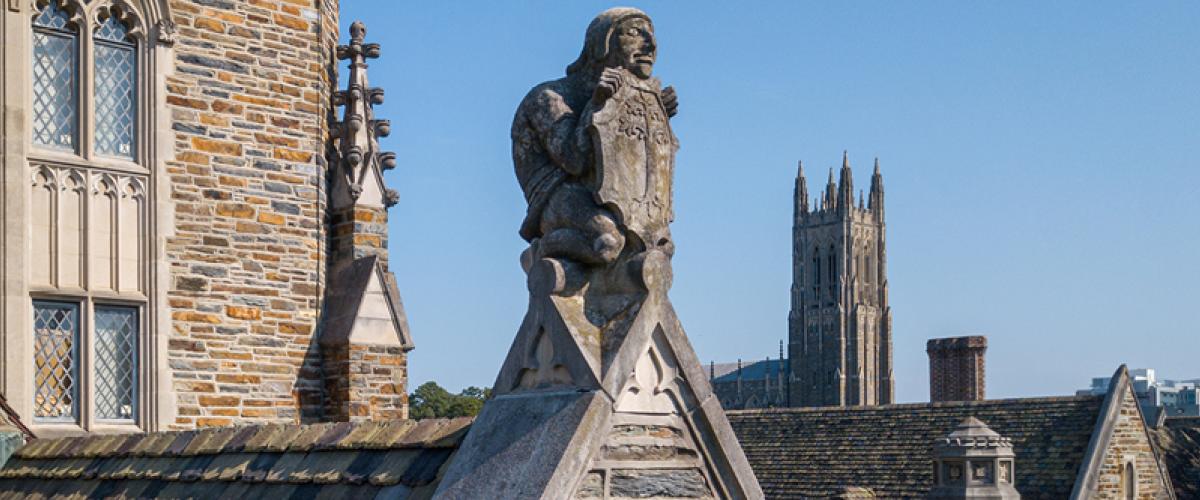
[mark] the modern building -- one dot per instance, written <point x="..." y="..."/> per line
<point x="1174" y="398"/>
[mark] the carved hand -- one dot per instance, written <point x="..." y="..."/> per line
<point x="610" y="83"/>
<point x="670" y="101"/>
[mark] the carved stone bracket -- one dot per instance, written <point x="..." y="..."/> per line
<point x="165" y="32"/>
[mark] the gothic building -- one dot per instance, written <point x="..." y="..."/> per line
<point x="840" y="325"/>
<point x="179" y="189"/>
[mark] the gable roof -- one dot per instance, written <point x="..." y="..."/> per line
<point x="756" y="370"/>
<point x="345" y="302"/>
<point x="1120" y="388"/>
<point x="813" y="452"/>
<point x="397" y="459"/>
<point x="1178" y="442"/>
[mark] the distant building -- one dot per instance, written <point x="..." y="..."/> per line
<point x="759" y="384"/>
<point x="1176" y="398"/>
<point x="840" y="325"/>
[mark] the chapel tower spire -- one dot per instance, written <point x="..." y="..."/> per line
<point x="839" y="327"/>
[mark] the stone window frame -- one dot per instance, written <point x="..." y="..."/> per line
<point x="150" y="25"/>
<point x="1129" y="478"/>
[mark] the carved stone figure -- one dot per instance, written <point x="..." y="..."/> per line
<point x="567" y="135"/>
<point x="601" y="394"/>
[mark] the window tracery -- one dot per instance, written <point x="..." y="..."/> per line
<point x="91" y="164"/>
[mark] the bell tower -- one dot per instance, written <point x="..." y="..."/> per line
<point x="840" y="324"/>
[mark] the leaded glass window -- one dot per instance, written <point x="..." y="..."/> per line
<point x="116" y="362"/>
<point x="55" y="79"/>
<point x="55" y="360"/>
<point x="115" y="71"/>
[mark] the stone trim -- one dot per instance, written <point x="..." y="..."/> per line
<point x="20" y="156"/>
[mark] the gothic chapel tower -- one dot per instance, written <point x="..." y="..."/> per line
<point x="840" y="325"/>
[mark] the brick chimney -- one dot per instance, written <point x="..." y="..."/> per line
<point x="956" y="369"/>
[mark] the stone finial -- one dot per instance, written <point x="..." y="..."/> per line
<point x="973" y="462"/>
<point x="360" y="161"/>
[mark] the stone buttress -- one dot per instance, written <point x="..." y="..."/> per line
<point x="364" y="339"/>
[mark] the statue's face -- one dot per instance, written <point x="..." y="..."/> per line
<point x="634" y="48"/>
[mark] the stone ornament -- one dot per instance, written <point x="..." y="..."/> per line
<point x="601" y="394"/>
<point x="973" y="462"/>
<point x="360" y="163"/>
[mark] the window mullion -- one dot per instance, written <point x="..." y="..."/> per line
<point x="87" y="386"/>
<point x="87" y="115"/>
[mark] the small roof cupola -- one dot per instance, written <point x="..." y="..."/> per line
<point x="973" y="462"/>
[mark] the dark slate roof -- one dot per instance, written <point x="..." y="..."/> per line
<point x="396" y="459"/>
<point x="816" y="452"/>
<point x="757" y="370"/>
<point x="1178" y="441"/>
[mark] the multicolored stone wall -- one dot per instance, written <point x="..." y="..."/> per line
<point x="250" y="109"/>
<point x="375" y="387"/>
<point x="1130" y="447"/>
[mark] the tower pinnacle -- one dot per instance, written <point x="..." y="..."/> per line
<point x="801" y="191"/>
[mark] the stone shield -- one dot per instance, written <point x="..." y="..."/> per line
<point x="635" y="159"/>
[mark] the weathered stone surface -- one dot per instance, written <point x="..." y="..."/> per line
<point x="594" y="154"/>
<point x="686" y="483"/>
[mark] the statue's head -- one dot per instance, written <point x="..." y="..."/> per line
<point x="620" y="37"/>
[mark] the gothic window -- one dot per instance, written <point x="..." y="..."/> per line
<point x="116" y="62"/>
<point x="68" y="95"/>
<point x="90" y="213"/>
<point x="55" y="79"/>
<point x="56" y="360"/>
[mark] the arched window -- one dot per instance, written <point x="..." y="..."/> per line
<point x="56" y="78"/>
<point x="1129" y="481"/>
<point x="116" y="68"/>
<point x="90" y="213"/>
<point x="816" y="266"/>
<point x="832" y="267"/>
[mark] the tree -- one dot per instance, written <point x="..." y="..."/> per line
<point x="430" y="400"/>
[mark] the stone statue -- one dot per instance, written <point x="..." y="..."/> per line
<point x="594" y="152"/>
<point x="601" y="394"/>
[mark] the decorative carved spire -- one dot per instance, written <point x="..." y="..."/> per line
<point x="875" y="202"/>
<point x="801" y="192"/>
<point x="830" y="192"/>
<point x="845" y="199"/>
<point x="359" y="157"/>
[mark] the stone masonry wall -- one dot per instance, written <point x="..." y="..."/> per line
<point x="375" y="383"/>
<point x="1130" y="443"/>
<point x="249" y="102"/>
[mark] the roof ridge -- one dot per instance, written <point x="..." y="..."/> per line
<point x="940" y="404"/>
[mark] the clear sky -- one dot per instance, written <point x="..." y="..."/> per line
<point x="1040" y="160"/>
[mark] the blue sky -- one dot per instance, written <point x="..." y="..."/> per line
<point x="1040" y="161"/>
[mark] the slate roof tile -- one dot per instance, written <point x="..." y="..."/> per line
<point x="396" y="459"/>
<point x="799" y="452"/>
<point x="1178" y="439"/>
